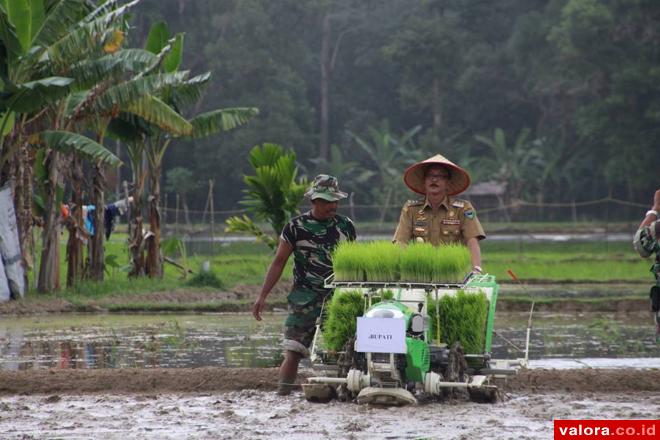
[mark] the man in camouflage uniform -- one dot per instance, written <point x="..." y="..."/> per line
<point x="647" y="242"/>
<point x="439" y="217"/>
<point x="311" y="237"/>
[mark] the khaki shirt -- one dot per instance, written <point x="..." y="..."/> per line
<point x="454" y="222"/>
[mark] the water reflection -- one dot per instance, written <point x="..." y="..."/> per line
<point x="236" y="340"/>
<point x="579" y="335"/>
<point x="135" y="341"/>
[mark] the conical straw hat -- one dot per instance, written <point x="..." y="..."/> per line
<point x="458" y="182"/>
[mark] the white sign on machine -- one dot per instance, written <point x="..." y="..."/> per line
<point x="381" y="335"/>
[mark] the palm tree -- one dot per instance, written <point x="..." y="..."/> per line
<point x="515" y="164"/>
<point x="273" y="193"/>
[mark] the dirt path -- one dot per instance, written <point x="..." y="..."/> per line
<point x="159" y="380"/>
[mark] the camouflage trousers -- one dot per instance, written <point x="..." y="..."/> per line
<point x="305" y="307"/>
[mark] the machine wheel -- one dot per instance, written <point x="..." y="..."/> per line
<point x="318" y="393"/>
<point x="484" y="394"/>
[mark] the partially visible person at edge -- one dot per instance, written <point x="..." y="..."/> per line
<point x="647" y="242"/>
<point x="439" y="217"/>
<point x="311" y="237"/>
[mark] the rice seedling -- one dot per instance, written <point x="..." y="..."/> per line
<point x="381" y="261"/>
<point x="387" y="295"/>
<point x="462" y="318"/>
<point x="453" y="262"/>
<point x="341" y="323"/>
<point x="422" y="262"/>
<point x="348" y="261"/>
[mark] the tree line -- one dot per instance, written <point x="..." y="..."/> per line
<point x="556" y="98"/>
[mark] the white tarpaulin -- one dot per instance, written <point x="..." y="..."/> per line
<point x="10" y="249"/>
<point x="5" y="293"/>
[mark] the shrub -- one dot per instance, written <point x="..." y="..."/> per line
<point x="206" y="278"/>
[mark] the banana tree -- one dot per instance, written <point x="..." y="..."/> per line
<point x="25" y="91"/>
<point x="136" y="97"/>
<point x="389" y="155"/>
<point x="60" y="142"/>
<point x="516" y="164"/>
<point x="102" y="80"/>
<point x="159" y="138"/>
<point x="32" y="92"/>
<point x="107" y="81"/>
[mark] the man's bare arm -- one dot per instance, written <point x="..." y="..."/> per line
<point x="273" y="275"/>
<point x="475" y="252"/>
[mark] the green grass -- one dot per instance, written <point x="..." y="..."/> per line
<point x="247" y="263"/>
<point x="565" y="262"/>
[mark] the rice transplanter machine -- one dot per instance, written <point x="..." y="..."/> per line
<point x="395" y="357"/>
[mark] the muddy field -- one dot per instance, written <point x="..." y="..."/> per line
<point x="624" y="297"/>
<point x="240" y="403"/>
<point x="182" y="380"/>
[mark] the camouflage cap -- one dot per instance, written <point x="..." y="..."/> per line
<point x="325" y="187"/>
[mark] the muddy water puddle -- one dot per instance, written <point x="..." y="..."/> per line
<point x="236" y="340"/>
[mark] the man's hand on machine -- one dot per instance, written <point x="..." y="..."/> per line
<point x="476" y="270"/>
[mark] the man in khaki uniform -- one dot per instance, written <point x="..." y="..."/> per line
<point x="440" y="217"/>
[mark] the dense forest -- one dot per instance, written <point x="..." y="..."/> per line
<point x="557" y="98"/>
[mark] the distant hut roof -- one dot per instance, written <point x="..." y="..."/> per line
<point x="490" y="188"/>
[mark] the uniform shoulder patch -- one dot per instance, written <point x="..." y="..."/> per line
<point x="458" y="203"/>
<point x="470" y="214"/>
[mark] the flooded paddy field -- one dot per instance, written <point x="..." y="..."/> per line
<point x="178" y="376"/>
<point x="237" y="340"/>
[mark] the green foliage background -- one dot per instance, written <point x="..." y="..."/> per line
<point x="570" y="84"/>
